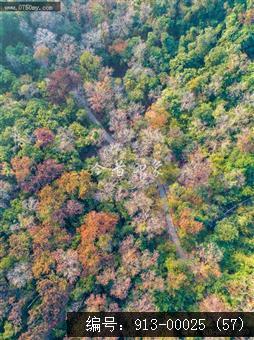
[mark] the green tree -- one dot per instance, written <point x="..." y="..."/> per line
<point x="89" y="65"/>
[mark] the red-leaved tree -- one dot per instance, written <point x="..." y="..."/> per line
<point x="61" y="82"/>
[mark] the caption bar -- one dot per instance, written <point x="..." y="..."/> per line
<point x="40" y="6"/>
<point x="125" y="324"/>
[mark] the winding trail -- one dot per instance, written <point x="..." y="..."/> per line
<point x="170" y="226"/>
<point x="81" y="100"/>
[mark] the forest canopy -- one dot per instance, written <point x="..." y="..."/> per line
<point x="126" y="160"/>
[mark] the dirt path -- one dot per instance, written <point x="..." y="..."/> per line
<point x="161" y="187"/>
<point x="82" y="102"/>
<point x="170" y="226"/>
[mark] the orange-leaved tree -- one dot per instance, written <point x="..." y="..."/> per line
<point x="21" y="167"/>
<point x="96" y="234"/>
<point x="156" y="116"/>
<point x="75" y="182"/>
<point x="187" y="222"/>
<point x="57" y="201"/>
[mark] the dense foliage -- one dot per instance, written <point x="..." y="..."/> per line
<point x="83" y="225"/>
